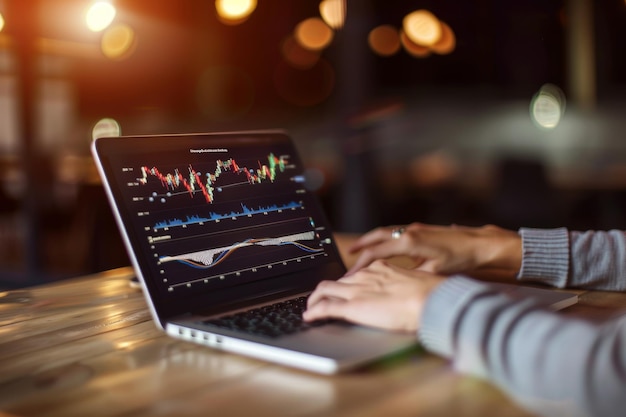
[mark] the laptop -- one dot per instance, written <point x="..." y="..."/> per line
<point x="216" y="224"/>
<point x="222" y="227"/>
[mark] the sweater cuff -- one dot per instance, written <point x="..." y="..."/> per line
<point x="441" y="311"/>
<point x="545" y="256"/>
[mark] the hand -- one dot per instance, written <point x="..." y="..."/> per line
<point x="442" y="249"/>
<point x="380" y="295"/>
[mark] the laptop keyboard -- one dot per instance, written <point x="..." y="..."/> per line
<point x="272" y="320"/>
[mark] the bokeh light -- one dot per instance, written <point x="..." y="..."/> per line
<point x="1" y="22"/>
<point x="100" y="15"/>
<point x="314" y="179"/>
<point x="313" y="34"/>
<point x="333" y="12"/>
<point x="422" y="27"/>
<point x="305" y="87"/>
<point x="447" y="41"/>
<point x="225" y="93"/>
<point x="433" y="169"/>
<point x="118" y="42"/>
<point x="412" y="48"/>
<point x="106" y="127"/>
<point x="234" y="11"/>
<point x="384" y="40"/>
<point x="547" y="106"/>
<point x="297" y="56"/>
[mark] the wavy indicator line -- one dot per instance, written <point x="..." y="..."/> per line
<point x="193" y="183"/>
<point x="245" y="211"/>
<point x="210" y="257"/>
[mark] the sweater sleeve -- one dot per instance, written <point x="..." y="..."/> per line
<point x="552" y="364"/>
<point x="592" y="259"/>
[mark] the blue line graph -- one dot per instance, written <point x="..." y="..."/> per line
<point x="245" y="211"/>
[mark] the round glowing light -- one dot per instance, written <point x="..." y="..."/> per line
<point x="333" y="12"/>
<point x="100" y="15"/>
<point x="412" y="48"/>
<point x="547" y="107"/>
<point x="384" y="40"/>
<point x="446" y="43"/>
<point x="106" y="127"/>
<point x="422" y="27"/>
<point x="1" y="22"/>
<point x="313" y="34"/>
<point x="118" y="41"/>
<point x="433" y="169"/>
<point x="235" y="11"/>
<point x="298" y="56"/>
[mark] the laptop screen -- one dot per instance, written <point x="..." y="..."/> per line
<point x="213" y="219"/>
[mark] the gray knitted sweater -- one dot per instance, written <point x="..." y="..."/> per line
<point x="550" y="363"/>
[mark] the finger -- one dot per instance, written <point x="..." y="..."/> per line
<point x="384" y="234"/>
<point x="351" y="279"/>
<point x="373" y="237"/>
<point x="384" y="250"/>
<point x="418" y="262"/>
<point x="383" y="269"/>
<point x="327" y="308"/>
<point x="331" y="289"/>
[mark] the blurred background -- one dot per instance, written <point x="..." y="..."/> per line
<point x="438" y="111"/>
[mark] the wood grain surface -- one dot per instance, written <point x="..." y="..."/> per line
<point x="88" y="347"/>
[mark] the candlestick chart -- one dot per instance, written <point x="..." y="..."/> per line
<point x="194" y="182"/>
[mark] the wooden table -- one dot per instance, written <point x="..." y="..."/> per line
<point x="88" y="347"/>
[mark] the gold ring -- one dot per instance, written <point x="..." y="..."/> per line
<point x="397" y="232"/>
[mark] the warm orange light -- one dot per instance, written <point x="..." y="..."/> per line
<point x="447" y="42"/>
<point x="422" y="27"/>
<point x="68" y="48"/>
<point x="1" y="22"/>
<point x="433" y="169"/>
<point x="100" y="15"/>
<point x="412" y="48"/>
<point x="298" y="56"/>
<point x="333" y="12"/>
<point x="118" y="41"/>
<point x="234" y="11"/>
<point x="313" y="34"/>
<point x="5" y="41"/>
<point x="384" y="40"/>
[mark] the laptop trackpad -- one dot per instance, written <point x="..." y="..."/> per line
<point x="343" y="340"/>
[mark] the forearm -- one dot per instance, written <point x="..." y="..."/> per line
<point x="555" y="365"/>
<point x="594" y="259"/>
<point x="598" y="260"/>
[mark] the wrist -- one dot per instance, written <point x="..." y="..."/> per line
<point x="501" y="249"/>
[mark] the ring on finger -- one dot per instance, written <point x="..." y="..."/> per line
<point x="397" y="232"/>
